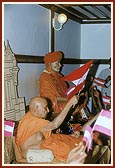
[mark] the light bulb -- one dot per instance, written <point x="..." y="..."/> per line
<point x="62" y="18"/>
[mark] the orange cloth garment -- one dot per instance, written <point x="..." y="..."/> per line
<point x="28" y="126"/>
<point x="52" y="86"/>
<point x="61" y="145"/>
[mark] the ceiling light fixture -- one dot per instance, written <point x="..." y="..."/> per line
<point x="59" y="21"/>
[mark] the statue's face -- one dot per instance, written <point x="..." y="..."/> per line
<point x="55" y="66"/>
<point x="41" y="108"/>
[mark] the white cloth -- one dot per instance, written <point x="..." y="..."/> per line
<point x="34" y="155"/>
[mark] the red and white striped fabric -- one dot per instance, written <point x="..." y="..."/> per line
<point x="88" y="137"/>
<point x="106" y="100"/>
<point x="78" y="78"/>
<point x="99" y="82"/>
<point x="8" y="128"/>
<point x="103" y="122"/>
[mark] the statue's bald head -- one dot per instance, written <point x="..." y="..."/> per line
<point x="37" y="105"/>
<point x="34" y="101"/>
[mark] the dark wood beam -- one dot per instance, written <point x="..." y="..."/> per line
<point x="107" y="7"/>
<point x="59" y="10"/>
<point x="100" y="11"/>
<point x="84" y="8"/>
<point x="72" y="13"/>
<point x="39" y="59"/>
<point x="83" y="61"/>
<point x="75" y="11"/>
<point x="52" y="32"/>
<point x="95" y="22"/>
<point x="29" y="59"/>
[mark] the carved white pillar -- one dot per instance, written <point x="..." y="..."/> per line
<point x="14" y="107"/>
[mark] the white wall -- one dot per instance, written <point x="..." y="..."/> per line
<point x="26" y="26"/>
<point x="96" y="42"/>
<point x="68" y="40"/>
<point x="27" y="29"/>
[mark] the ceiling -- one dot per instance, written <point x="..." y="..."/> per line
<point x="84" y="13"/>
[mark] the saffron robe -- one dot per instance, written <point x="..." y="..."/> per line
<point x="60" y="144"/>
<point x="52" y="86"/>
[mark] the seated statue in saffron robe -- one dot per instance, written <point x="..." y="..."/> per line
<point x="34" y="131"/>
